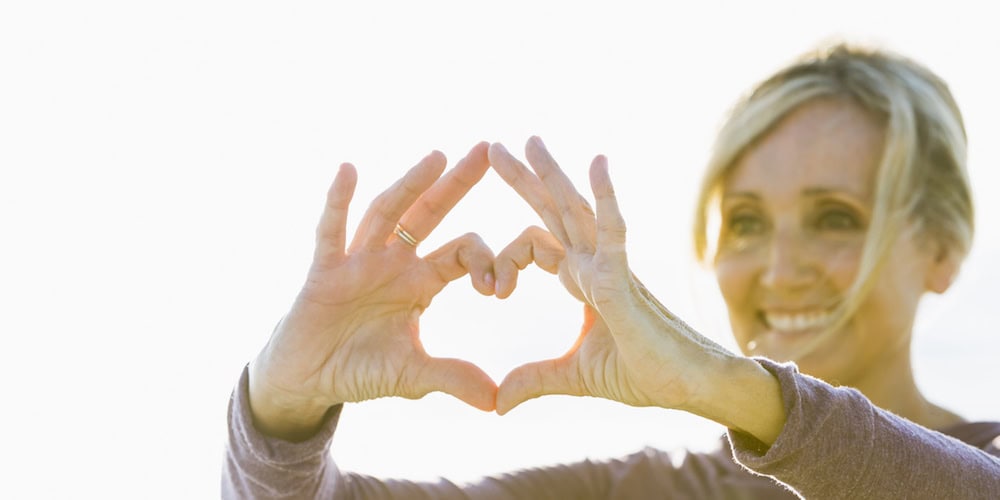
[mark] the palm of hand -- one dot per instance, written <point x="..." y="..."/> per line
<point x="367" y="302"/>
<point x="353" y="332"/>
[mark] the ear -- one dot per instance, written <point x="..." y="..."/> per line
<point x="943" y="269"/>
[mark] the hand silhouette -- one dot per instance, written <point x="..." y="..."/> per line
<point x="630" y="349"/>
<point x="352" y="333"/>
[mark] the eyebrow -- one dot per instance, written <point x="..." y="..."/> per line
<point x="825" y="191"/>
<point x="741" y="194"/>
<point x="811" y="192"/>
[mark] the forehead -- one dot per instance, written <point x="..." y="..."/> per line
<point x="829" y="145"/>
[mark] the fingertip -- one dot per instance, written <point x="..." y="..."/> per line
<point x="436" y="158"/>
<point x="429" y="167"/>
<point x="600" y="179"/>
<point x="538" y="155"/>
<point x="485" y="284"/>
<point x="464" y="381"/>
<point x="505" y="285"/>
<point x="484" y="403"/>
<point x="501" y="410"/>
<point x="497" y="152"/>
<point x="344" y="182"/>
<point x="347" y="172"/>
<point x="489" y="404"/>
<point x="508" y="397"/>
<point x="480" y="154"/>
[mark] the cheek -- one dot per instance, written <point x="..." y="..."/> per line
<point x="840" y="264"/>
<point x="734" y="274"/>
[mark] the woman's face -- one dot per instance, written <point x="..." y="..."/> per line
<point x="795" y="209"/>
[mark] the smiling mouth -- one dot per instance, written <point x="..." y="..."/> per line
<point x="796" y="323"/>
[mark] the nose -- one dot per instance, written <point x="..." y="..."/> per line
<point x="788" y="261"/>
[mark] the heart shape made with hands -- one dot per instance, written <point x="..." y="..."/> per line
<point x="572" y="248"/>
<point x="538" y="321"/>
<point x="532" y="320"/>
<point x="353" y="333"/>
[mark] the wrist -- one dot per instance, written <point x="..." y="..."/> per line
<point x="742" y="395"/>
<point x="282" y="415"/>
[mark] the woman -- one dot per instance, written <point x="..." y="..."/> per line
<point x="841" y="196"/>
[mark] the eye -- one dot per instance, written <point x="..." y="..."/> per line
<point x="838" y="220"/>
<point x="745" y="224"/>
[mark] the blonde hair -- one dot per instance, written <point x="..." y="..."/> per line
<point x="922" y="180"/>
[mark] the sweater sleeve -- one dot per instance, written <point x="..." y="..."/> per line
<point x="837" y="444"/>
<point x="259" y="466"/>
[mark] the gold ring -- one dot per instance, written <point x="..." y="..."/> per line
<point x="405" y="236"/>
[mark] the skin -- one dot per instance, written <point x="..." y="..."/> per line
<point x="352" y="333"/>
<point x="631" y="349"/>
<point x="793" y="248"/>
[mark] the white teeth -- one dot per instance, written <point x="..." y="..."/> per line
<point x="797" y="322"/>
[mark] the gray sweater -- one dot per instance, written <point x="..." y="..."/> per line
<point x="835" y="444"/>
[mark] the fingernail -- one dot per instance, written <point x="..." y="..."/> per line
<point x="538" y="141"/>
<point x="490" y="280"/>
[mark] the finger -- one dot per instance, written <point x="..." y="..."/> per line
<point x="574" y="211"/>
<point x="465" y="254"/>
<point x="429" y="210"/>
<point x="610" y="222"/>
<point x="459" y="378"/>
<point x="533" y="380"/>
<point x="384" y="213"/>
<point x="331" y="233"/>
<point x="533" y="245"/>
<point x="529" y="187"/>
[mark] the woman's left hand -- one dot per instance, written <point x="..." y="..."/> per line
<point x="631" y="348"/>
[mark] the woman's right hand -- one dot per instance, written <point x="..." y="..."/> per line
<point x="352" y="333"/>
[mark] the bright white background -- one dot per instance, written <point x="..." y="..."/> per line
<point x="162" y="166"/>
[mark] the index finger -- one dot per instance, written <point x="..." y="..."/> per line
<point x="576" y="215"/>
<point x="530" y="187"/>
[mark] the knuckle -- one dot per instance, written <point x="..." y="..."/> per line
<point x="612" y="228"/>
<point x="432" y="207"/>
<point x="531" y="232"/>
<point x="471" y="238"/>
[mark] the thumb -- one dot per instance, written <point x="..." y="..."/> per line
<point x="460" y="379"/>
<point x="532" y="380"/>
